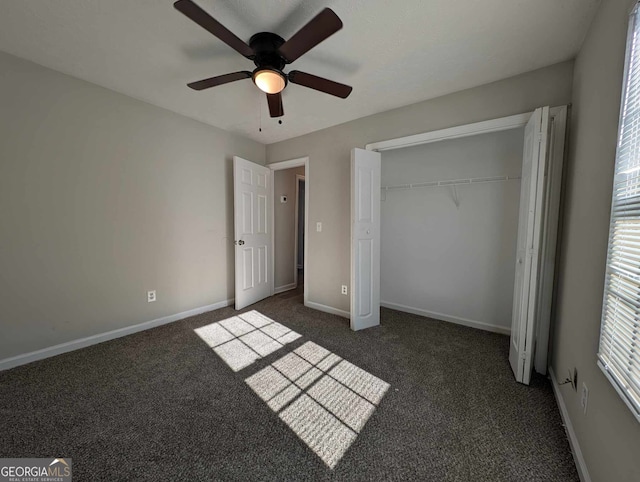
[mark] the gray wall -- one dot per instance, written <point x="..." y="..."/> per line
<point x="284" y="183"/>
<point x="608" y="434"/>
<point x="329" y="158"/>
<point x="443" y="259"/>
<point x="102" y="198"/>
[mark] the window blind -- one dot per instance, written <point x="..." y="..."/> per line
<point x="619" y="350"/>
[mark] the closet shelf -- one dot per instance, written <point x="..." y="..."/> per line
<point x="450" y="182"/>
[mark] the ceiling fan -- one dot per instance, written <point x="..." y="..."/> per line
<point x="270" y="53"/>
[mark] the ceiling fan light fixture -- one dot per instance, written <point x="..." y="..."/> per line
<point x="269" y="81"/>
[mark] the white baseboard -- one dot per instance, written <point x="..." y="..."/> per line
<point x="453" y="319"/>
<point x="578" y="458"/>
<point x="101" y="337"/>
<point x="327" y="309"/>
<point x="283" y="288"/>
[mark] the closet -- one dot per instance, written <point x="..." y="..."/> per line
<point x="449" y="223"/>
<point x="460" y="225"/>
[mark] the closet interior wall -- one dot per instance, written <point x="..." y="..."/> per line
<point x="448" y="252"/>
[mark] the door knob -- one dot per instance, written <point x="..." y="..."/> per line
<point x="241" y="242"/>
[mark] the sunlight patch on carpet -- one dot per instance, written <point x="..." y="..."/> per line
<point x="324" y="399"/>
<point x="243" y="339"/>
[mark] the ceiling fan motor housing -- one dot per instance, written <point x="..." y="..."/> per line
<point x="265" y="45"/>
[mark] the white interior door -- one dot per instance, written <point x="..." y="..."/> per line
<point x="521" y="351"/>
<point x="252" y="216"/>
<point x="365" y="238"/>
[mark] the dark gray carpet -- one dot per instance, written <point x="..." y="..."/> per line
<point x="161" y="405"/>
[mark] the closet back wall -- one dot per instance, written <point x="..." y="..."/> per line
<point x="445" y="261"/>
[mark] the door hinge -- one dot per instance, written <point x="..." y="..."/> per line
<point x="524" y="355"/>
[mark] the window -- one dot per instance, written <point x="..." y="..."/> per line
<point x="619" y="351"/>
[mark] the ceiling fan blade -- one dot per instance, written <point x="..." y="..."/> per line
<point x="206" y="21"/>
<point x="275" y="105"/>
<point x="322" y="26"/>
<point x="219" y="80"/>
<point x="319" y="83"/>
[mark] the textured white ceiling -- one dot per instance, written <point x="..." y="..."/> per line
<point x="393" y="53"/>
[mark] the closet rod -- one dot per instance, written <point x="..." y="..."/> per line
<point x="452" y="182"/>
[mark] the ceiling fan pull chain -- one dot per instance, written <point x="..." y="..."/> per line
<point x="260" y="116"/>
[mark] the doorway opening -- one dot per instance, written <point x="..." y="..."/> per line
<point x="290" y="181"/>
<point x="299" y="230"/>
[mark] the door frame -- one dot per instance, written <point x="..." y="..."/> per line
<point x="550" y="242"/>
<point x="279" y="166"/>
<point x="296" y="227"/>
<point x="484" y="127"/>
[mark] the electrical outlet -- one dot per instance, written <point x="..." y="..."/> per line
<point x="319" y="227"/>
<point x="584" y="398"/>
<point x="344" y="289"/>
<point x="151" y="296"/>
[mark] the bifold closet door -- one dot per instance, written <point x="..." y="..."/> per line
<point x="521" y="350"/>
<point x="365" y="238"/>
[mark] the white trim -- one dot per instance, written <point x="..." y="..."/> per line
<point x="283" y="288"/>
<point x="578" y="458"/>
<point x="102" y="337"/>
<point x="480" y="325"/>
<point x="484" y="127"/>
<point x="278" y="166"/>
<point x="327" y="309"/>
